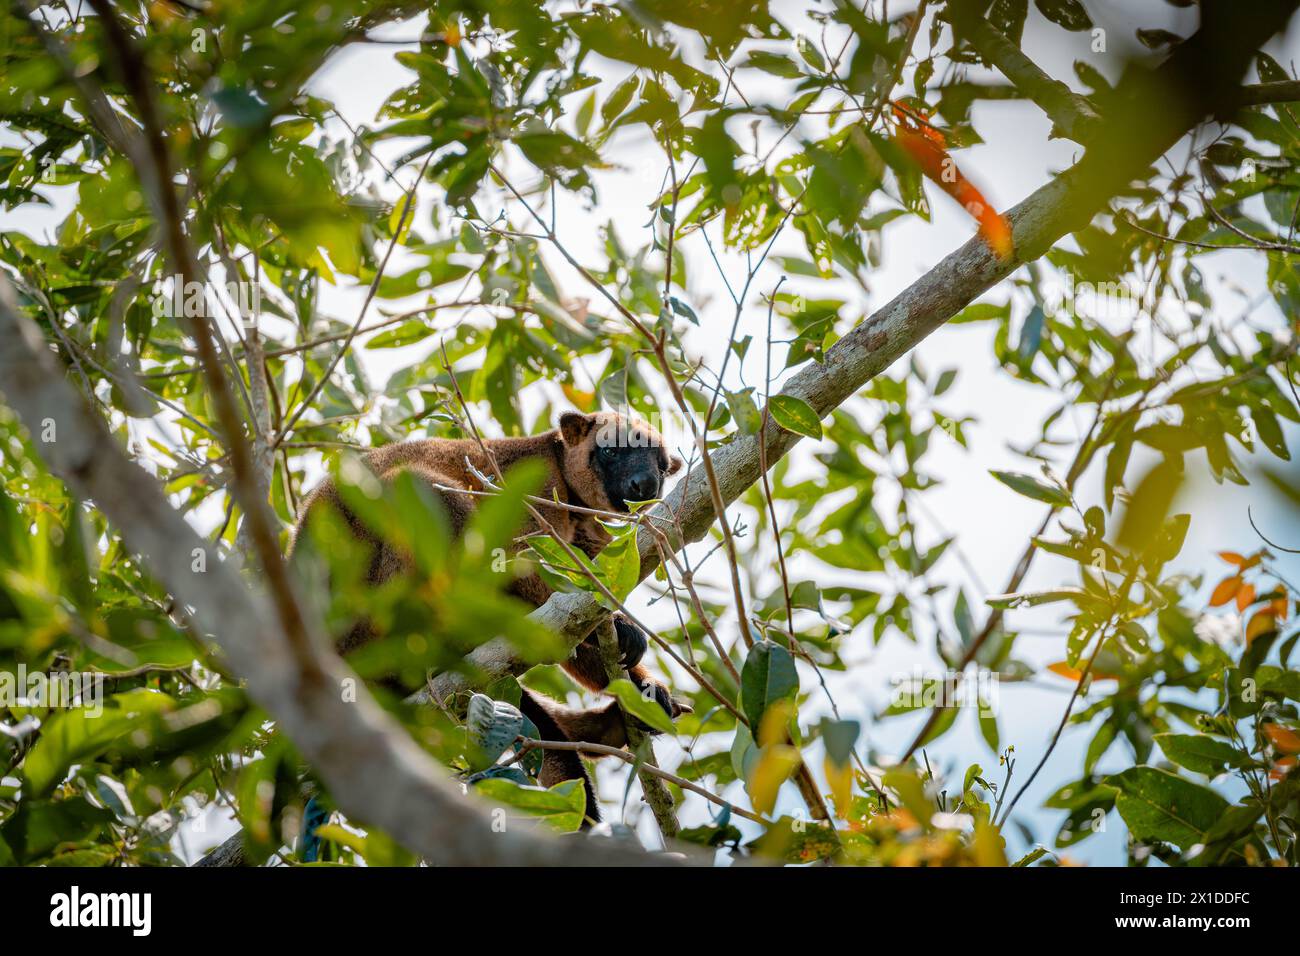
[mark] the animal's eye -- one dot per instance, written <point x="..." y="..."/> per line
<point x="607" y="452"/>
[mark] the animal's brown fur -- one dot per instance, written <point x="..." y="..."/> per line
<point x="578" y="473"/>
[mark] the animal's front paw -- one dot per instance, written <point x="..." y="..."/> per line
<point x="632" y="641"/>
<point x="653" y="690"/>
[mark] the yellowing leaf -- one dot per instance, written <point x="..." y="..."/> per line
<point x="773" y="769"/>
<point x="909" y="789"/>
<point x="840" y="779"/>
<point x="771" y="729"/>
<point x="1262" y="623"/>
<point x="795" y="415"/>
<point x="990" y="846"/>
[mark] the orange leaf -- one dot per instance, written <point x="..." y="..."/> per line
<point x="925" y="145"/>
<point x="1065" y="670"/>
<point x="927" y="154"/>
<point x="1278" y="608"/>
<point x="1071" y="673"/>
<point x="1232" y="557"/>
<point x="1282" y="768"/>
<point x="1245" y="596"/>
<point x="1283" y="739"/>
<point x="996" y="231"/>
<point x="902" y="819"/>
<point x="1226" y="591"/>
<point x="1262" y="623"/>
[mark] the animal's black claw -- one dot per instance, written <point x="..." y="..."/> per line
<point x="632" y="641"/>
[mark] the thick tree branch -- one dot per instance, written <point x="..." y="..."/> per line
<point x="1072" y="114"/>
<point x="656" y="794"/>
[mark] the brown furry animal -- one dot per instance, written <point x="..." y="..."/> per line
<point x="599" y="461"/>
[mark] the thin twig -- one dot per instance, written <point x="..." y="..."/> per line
<point x="529" y="743"/>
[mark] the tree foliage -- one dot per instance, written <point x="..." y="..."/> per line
<point x="795" y="143"/>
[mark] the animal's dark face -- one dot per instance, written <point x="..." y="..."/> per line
<point x="628" y="472"/>
<point x="612" y="460"/>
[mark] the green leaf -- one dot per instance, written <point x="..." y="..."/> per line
<point x="684" y="310"/>
<point x="554" y="151"/>
<point x="1157" y="805"/>
<point x="1117" y="463"/>
<point x="962" y="618"/>
<point x="1202" y="754"/>
<point x="1270" y="432"/>
<point x="744" y="753"/>
<point x="77" y="735"/>
<point x="1035" y="488"/>
<point x="461" y="179"/>
<point x="1145" y="515"/>
<point x="407" y="333"/>
<point x="910" y="789"/>
<point x="769" y="675"/>
<point x="839" y="736"/>
<point x="1031" y="334"/>
<point x="743" y="410"/>
<point x="493" y="726"/>
<point x="1034" y="854"/>
<point x="795" y="415"/>
<point x="1034" y="598"/>
<point x="618" y="100"/>
<point x="943" y="724"/>
<point x="642" y="708"/>
<point x="1008" y="17"/>
<point x="619" y="563"/>
<point x="38" y="827"/>
<point x="562" y="807"/>
<point x="498" y="518"/>
<point x="774" y="63"/>
<point x="809" y="53"/>
<point x="981" y="312"/>
<point x="988" y="723"/>
<point x="1069" y="14"/>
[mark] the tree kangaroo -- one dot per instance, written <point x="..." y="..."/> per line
<point x="599" y="461"/>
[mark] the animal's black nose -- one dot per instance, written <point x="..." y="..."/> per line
<point x="642" y="488"/>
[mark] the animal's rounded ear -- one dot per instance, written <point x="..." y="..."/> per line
<point x="674" y="464"/>
<point x="575" y="426"/>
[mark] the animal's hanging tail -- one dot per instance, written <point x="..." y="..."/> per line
<point x="313" y="815"/>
